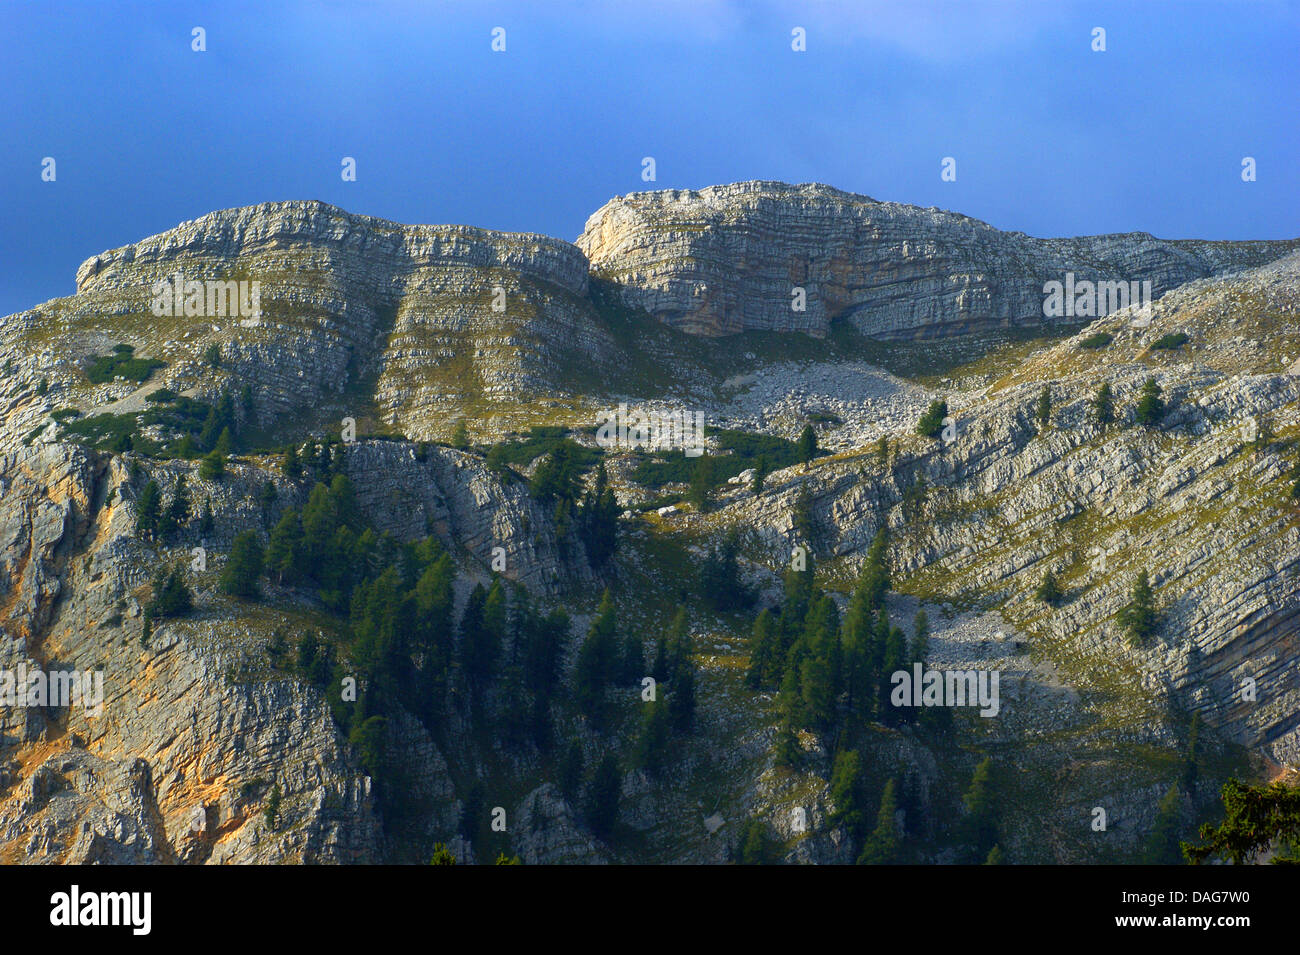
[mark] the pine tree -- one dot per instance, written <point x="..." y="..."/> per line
<point x="1150" y="407"/>
<point x="931" y="423"/>
<point x="603" y="795"/>
<point x="1103" y="405"/>
<point x="213" y="466"/>
<point x="243" y="567"/>
<point x="292" y="465"/>
<point x="981" y="823"/>
<point x="807" y="445"/>
<point x="681" y="701"/>
<point x="171" y="596"/>
<point x="803" y="518"/>
<point x="597" y="660"/>
<point x="1162" y="846"/>
<point x="598" y="521"/>
<point x="178" y="511"/>
<point x="570" y="771"/>
<point x="1139" y="617"/>
<point x="1049" y="591"/>
<point x="920" y="637"/>
<point x="700" y="489"/>
<point x="760" y="475"/>
<point x="442" y="855"/>
<point x="206" y="520"/>
<point x="653" y="740"/>
<point x="272" y="806"/>
<point x="1043" y="407"/>
<point x="460" y="435"/>
<point x="267" y="498"/>
<point x="1256" y="818"/>
<point x="755" y="844"/>
<point x="763" y="650"/>
<point x="147" y="510"/>
<point x="1191" y="761"/>
<point x="787" y="751"/>
<point x="882" y="452"/>
<point x="284" y="553"/>
<point x="883" y="846"/>
<point x="874" y="577"/>
<point x="846" y="795"/>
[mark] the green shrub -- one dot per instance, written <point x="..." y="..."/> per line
<point x="121" y="364"/>
<point x="1171" y="341"/>
<point x="1098" y="340"/>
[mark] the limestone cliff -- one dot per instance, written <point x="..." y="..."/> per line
<point x="727" y="258"/>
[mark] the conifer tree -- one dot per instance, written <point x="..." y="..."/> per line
<point x="1256" y="819"/>
<point x="178" y="511"/>
<point x="652" y="744"/>
<point x="292" y="466"/>
<point x="763" y="651"/>
<point x="700" y="487"/>
<point x="883" y="846"/>
<point x="213" y="466"/>
<point x="846" y="791"/>
<point x="571" y="770"/>
<point x="243" y="567"/>
<point x="1048" y="591"/>
<point x="171" y="596"/>
<point x="920" y="637"/>
<point x="1139" y="616"/>
<point x="807" y="445"/>
<point x="442" y="855"/>
<point x="1043" y="407"/>
<point x="681" y="701"/>
<point x="603" y="795"/>
<point x="981" y="821"/>
<point x="147" y="510"/>
<point x="597" y="660"/>
<point x="1150" y="407"/>
<point x="931" y="423"/>
<point x="1103" y="405"/>
<point x="1162" y="846"/>
<point x="284" y="553"/>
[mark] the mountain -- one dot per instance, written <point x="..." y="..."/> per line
<point x="724" y="259"/>
<point x="449" y="558"/>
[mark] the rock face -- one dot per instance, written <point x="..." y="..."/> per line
<point x="210" y="748"/>
<point x="1198" y="503"/>
<point x="418" y="320"/>
<point x="728" y="258"/>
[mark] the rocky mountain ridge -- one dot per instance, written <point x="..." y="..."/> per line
<point x="395" y="326"/>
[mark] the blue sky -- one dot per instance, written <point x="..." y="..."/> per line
<point x="1050" y="137"/>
